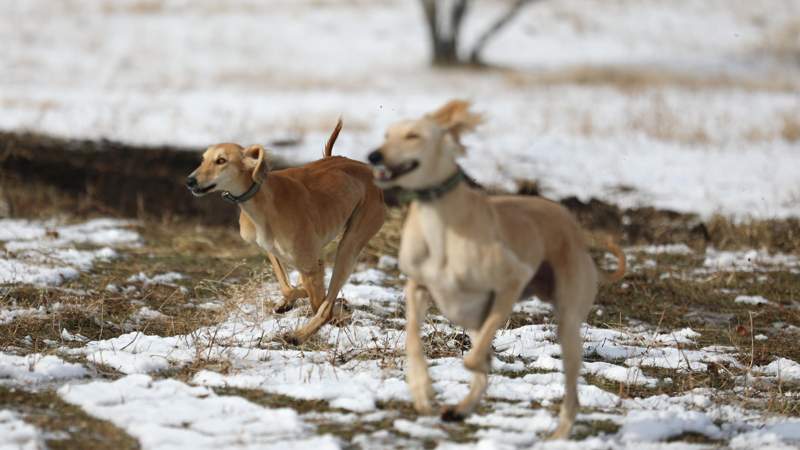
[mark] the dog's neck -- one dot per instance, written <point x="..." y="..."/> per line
<point x="452" y="207"/>
<point x="261" y="205"/>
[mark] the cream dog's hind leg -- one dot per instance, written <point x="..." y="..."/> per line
<point x="479" y="358"/>
<point x="573" y="300"/>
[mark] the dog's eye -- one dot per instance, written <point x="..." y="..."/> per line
<point x="221" y="161"/>
<point x="412" y="136"/>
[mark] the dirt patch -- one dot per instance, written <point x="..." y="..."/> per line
<point x="106" y="176"/>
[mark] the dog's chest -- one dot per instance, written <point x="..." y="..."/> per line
<point x="274" y="246"/>
<point x="466" y="309"/>
<point x="445" y="265"/>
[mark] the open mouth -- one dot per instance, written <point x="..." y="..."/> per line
<point x="202" y="191"/>
<point x="388" y="173"/>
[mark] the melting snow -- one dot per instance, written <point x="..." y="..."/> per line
<point x="44" y="253"/>
<point x="37" y="368"/>
<point x="16" y="434"/>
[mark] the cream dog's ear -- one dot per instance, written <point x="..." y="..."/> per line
<point x="455" y="116"/>
<point x="255" y="157"/>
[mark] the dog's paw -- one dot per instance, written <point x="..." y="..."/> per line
<point x="476" y="364"/>
<point x="423" y="406"/>
<point x="562" y="431"/>
<point x="292" y="339"/>
<point x="451" y="414"/>
<point x="422" y="393"/>
<point x="283" y="307"/>
<point x="342" y="313"/>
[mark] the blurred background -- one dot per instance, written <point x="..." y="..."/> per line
<point x="685" y="105"/>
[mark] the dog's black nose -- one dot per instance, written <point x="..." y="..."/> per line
<point x="191" y="182"/>
<point x="375" y="157"/>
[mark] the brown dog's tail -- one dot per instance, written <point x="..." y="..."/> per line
<point x="621" y="264"/>
<point x="332" y="140"/>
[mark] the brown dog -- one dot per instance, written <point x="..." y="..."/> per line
<point x="294" y="213"/>
<point x="475" y="255"/>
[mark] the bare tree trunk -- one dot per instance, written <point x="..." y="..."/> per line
<point x="444" y="36"/>
<point x="491" y="32"/>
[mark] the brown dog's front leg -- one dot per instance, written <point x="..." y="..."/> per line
<point x="419" y="381"/>
<point x="289" y="292"/>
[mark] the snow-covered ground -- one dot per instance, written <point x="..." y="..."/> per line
<point x="358" y="367"/>
<point x="690" y="105"/>
<point x="49" y="253"/>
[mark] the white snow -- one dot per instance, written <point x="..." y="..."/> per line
<point x="666" y="249"/>
<point x="171" y="414"/>
<point x="145" y="313"/>
<point x="661" y="425"/>
<point x="37" y="368"/>
<point x="44" y="253"/>
<point x="10" y="315"/>
<point x="168" y="278"/>
<point x="748" y="260"/>
<point x="751" y="300"/>
<point x="16" y="434"/>
<point x="783" y="368"/>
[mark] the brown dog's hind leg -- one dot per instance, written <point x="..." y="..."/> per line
<point x="364" y="223"/>
<point x="314" y="284"/>
<point x="289" y="292"/>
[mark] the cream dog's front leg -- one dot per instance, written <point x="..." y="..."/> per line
<point x="419" y="381"/>
<point x="477" y="360"/>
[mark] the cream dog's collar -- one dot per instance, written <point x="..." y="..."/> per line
<point x="432" y="193"/>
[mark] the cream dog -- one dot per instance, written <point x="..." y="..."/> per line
<point x="293" y="213"/>
<point x="477" y="255"/>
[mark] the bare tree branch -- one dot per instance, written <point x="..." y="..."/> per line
<point x="429" y="8"/>
<point x="491" y="32"/>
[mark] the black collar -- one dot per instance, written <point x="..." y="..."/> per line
<point x="248" y="194"/>
<point x="432" y="193"/>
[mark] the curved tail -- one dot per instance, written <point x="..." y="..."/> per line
<point x="332" y="140"/>
<point x="621" y="264"/>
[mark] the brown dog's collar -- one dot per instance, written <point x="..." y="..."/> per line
<point x="432" y="193"/>
<point x="247" y="195"/>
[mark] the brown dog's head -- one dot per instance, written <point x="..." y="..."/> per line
<point x="228" y="167"/>
<point x="417" y="154"/>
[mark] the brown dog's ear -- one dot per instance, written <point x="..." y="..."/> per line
<point x="456" y="117"/>
<point x="255" y="157"/>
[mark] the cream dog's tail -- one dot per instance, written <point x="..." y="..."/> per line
<point x="332" y="140"/>
<point x="617" y="275"/>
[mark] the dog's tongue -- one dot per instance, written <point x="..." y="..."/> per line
<point x="381" y="173"/>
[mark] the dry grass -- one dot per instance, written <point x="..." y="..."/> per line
<point x="790" y="129"/>
<point x="635" y="79"/>
<point x="783" y="43"/>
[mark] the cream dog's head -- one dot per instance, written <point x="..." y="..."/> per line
<point x="419" y="153"/>
<point x="228" y="167"/>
